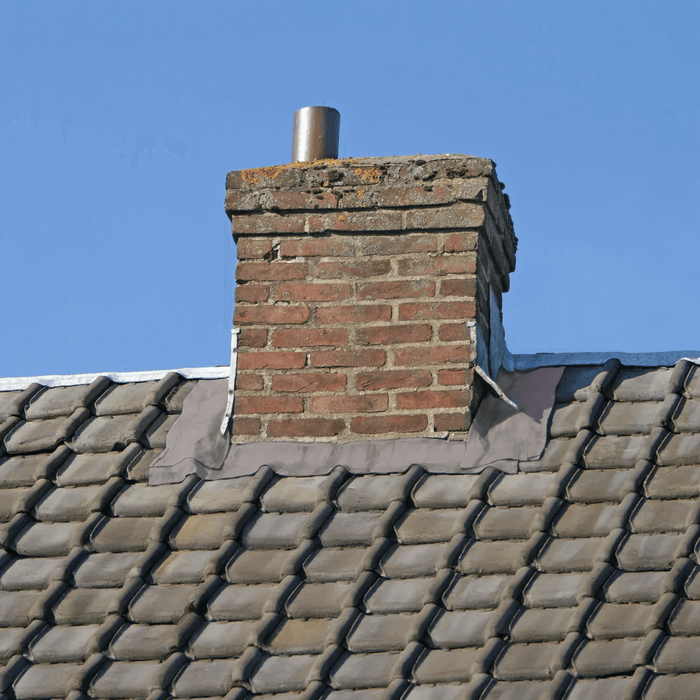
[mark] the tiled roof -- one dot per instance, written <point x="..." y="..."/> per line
<point x="577" y="578"/>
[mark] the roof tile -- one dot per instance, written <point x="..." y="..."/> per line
<point x="397" y="595"/>
<point x="363" y="671"/>
<point x="279" y="673"/>
<point x="445" y="665"/>
<point x="45" y="681"/>
<point x="460" y="629"/>
<point x="526" y="662"/>
<point x="144" y="642"/>
<point x="62" y="644"/>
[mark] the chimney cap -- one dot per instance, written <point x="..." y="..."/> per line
<point x="316" y="134"/>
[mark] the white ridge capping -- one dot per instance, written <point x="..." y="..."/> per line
<point x="52" y="380"/>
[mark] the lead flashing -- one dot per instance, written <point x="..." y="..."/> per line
<point x="629" y="359"/>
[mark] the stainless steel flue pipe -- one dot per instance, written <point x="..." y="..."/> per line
<point x="316" y="134"/>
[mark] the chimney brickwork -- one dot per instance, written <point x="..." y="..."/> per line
<point x="354" y="282"/>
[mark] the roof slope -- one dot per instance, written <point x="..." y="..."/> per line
<point x="575" y="579"/>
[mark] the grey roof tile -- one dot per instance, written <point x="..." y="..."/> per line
<point x="526" y="662"/>
<point x="397" y="595"/>
<point x="372" y="492"/>
<point x="85" y="606"/>
<point x="541" y="625"/>
<point x="474" y="592"/>
<point x="67" y="504"/>
<point x="606" y="658"/>
<point x="144" y="642"/>
<point x="62" y="644"/>
<point x="334" y="564"/>
<point x="662" y="516"/>
<point x="505" y="523"/>
<point x="552" y="590"/>
<point x="687" y="419"/>
<point x="613" y="621"/>
<point x="516" y="690"/>
<point x="410" y="561"/>
<point x="318" y="599"/>
<point x="692" y="585"/>
<point x="28" y="574"/>
<point x="685" y="620"/>
<point x="623" y="418"/>
<point x="45" y="539"/>
<point x="123" y="534"/>
<point x="218" y="496"/>
<point x="644" y="552"/>
<point x="156" y="433"/>
<point x="40" y="435"/>
<point x="45" y="681"/>
<point x="20" y="470"/>
<point x="108" y="433"/>
<point x="679" y="450"/>
<point x="62" y="400"/>
<point x="674" y="482"/>
<point x="175" y="398"/>
<point x="141" y="501"/>
<point x="554" y="454"/>
<point x="587" y="688"/>
<point x="221" y="640"/>
<point x="444" y="490"/>
<point x="258" y="566"/>
<point x="574" y="384"/>
<point x="434" y="692"/>
<point x="274" y="530"/>
<point x="592" y="520"/>
<point x="495" y="557"/>
<point x="15" y="607"/>
<point x="634" y="587"/>
<point x="125" y="679"/>
<point x="281" y="673"/>
<point x="160" y="604"/>
<point x="376" y="694"/>
<point x="445" y="665"/>
<point x="182" y="567"/>
<point x="562" y="555"/>
<point x="566" y="419"/>
<point x="599" y="485"/>
<point x="425" y="525"/>
<point x="8" y="502"/>
<point x="105" y="570"/>
<point x="206" y="531"/>
<point x="466" y="628"/>
<point x="10" y="641"/>
<point x="125" y="398"/>
<point x="380" y="633"/>
<point x="692" y="383"/>
<point x="292" y="494"/>
<point x="363" y="671"/>
<point x="299" y="636"/>
<point x="232" y="602"/>
<point x="205" y="679"/>
<point x="344" y="529"/>
<point x="683" y="685"/>
<point x="678" y="655"/>
<point x="612" y="452"/>
<point x="633" y="384"/>
<point x="520" y="489"/>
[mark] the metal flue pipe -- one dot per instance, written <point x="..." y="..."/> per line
<point x="316" y="134"/>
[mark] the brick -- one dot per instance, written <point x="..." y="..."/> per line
<point x="246" y="426"/>
<point x="252" y="292"/>
<point x="391" y="335"/>
<point x="348" y="358"/>
<point x="366" y="425"/>
<point x="299" y="200"/>
<point x="461" y="242"/>
<point x="453" y="377"/>
<point x="411" y="195"/>
<point x="449" y="332"/>
<point x="397" y="245"/>
<point x="267" y="223"/>
<point x="309" y="337"/>
<point x="433" y="399"/>
<point x="245" y="405"/>
<point x="407" y="289"/>
<point x="428" y="311"/>
<point x="309" y="382"/>
<point x="463" y="264"/>
<point x="271" y="360"/>
<point x="249" y="382"/>
<point x="237" y="201"/>
<point x="253" y="248"/>
<point x="352" y="314"/>
<point x="264" y="315"/>
<point x="313" y="292"/>
<point x="305" y="427"/>
<point x="392" y="379"/>
<point x="275" y="270"/>
<point x="458" y="216"/>
<point x="463" y="287"/>
<point x="439" y="355"/>
<point x="357" y="268"/>
<point x="312" y="247"/>
<point x="355" y="221"/>
<point x="349" y="404"/>
<point x="252" y="338"/>
<point x="451" y="421"/>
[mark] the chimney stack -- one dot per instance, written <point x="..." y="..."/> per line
<point x="355" y="280"/>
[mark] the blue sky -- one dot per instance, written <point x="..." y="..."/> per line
<point x="119" y="121"/>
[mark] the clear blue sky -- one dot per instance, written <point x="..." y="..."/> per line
<point x="119" y="121"/>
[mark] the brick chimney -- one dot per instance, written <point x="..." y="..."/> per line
<point x="354" y="282"/>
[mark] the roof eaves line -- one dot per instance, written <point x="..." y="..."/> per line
<point x="628" y="359"/>
<point x="53" y="380"/>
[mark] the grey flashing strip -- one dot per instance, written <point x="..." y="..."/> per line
<point x="629" y="359"/>
<point x="21" y="383"/>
